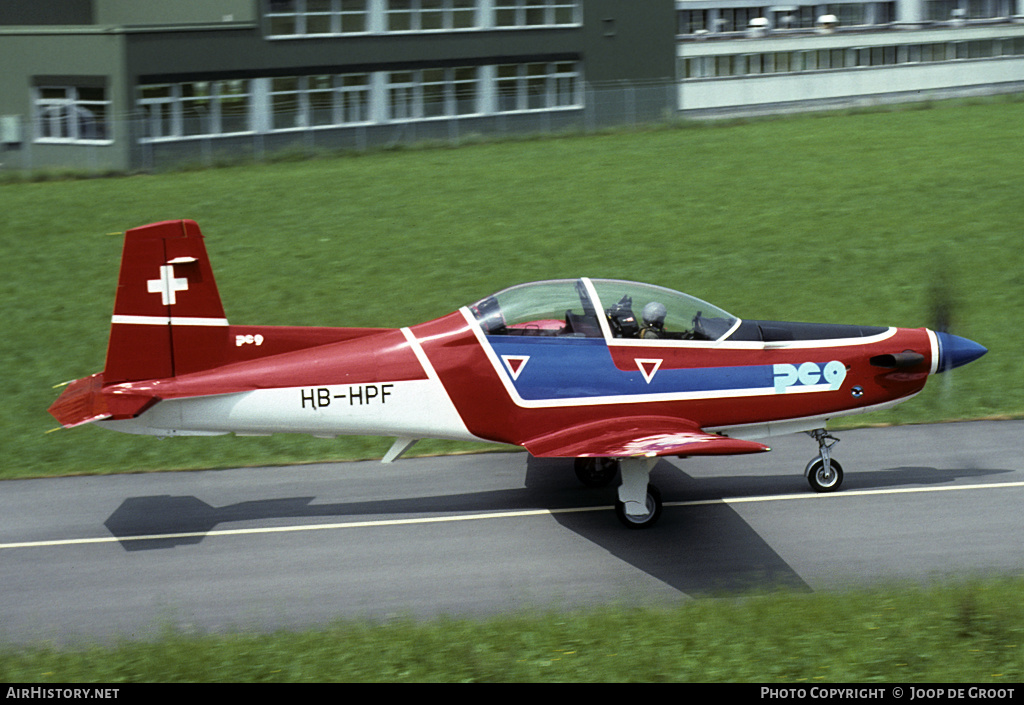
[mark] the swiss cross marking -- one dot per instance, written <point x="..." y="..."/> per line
<point x="167" y="285"/>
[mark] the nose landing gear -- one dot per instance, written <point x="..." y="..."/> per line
<point x="823" y="473"/>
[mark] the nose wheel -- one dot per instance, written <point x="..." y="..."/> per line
<point x="823" y="473"/>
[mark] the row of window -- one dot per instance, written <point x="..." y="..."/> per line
<point x="845" y="58"/>
<point x="945" y="10"/>
<point x="292" y="18"/>
<point x="70" y="114"/>
<point x="738" y="19"/>
<point x="201" y="108"/>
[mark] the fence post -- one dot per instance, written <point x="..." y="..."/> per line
<point x="629" y="104"/>
<point x="589" y="124"/>
<point x="26" y="140"/>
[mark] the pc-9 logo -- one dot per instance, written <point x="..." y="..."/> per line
<point x="809" y="374"/>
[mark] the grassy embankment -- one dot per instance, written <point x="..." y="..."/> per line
<point x="853" y="218"/>
<point x="966" y="633"/>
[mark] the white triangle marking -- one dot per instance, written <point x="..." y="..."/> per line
<point x="515" y="364"/>
<point x="648" y="367"/>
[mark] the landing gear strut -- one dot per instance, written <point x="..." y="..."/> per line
<point x="639" y="502"/>
<point x="823" y="473"/>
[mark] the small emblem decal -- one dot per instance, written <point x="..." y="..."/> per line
<point x="648" y="368"/>
<point x="515" y="364"/>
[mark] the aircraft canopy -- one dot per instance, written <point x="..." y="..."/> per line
<point x="569" y="308"/>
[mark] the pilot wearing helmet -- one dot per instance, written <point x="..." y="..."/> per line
<point x="654" y="320"/>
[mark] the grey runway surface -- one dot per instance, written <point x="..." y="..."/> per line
<point x="97" y="558"/>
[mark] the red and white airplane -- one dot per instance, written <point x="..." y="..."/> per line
<point x="562" y="368"/>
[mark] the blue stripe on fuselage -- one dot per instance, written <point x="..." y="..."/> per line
<point x="580" y="368"/>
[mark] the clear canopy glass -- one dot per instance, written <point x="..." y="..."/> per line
<point x="570" y="308"/>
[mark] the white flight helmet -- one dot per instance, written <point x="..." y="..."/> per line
<point x="654" y="314"/>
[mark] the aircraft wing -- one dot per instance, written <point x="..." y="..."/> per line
<point x="636" y="436"/>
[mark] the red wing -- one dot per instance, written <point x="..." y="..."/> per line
<point x="634" y="436"/>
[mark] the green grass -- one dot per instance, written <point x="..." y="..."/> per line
<point x="970" y="632"/>
<point x="845" y="218"/>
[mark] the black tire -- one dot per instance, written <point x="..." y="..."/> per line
<point x="647" y="520"/>
<point x="817" y="479"/>
<point x="596" y="472"/>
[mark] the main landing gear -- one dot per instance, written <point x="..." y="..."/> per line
<point x="638" y="504"/>
<point x="823" y="473"/>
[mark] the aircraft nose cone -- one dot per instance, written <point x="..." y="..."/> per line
<point x="955" y="351"/>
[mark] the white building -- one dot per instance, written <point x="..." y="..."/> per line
<point x="743" y="55"/>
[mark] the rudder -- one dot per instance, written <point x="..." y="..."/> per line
<point x="168" y="319"/>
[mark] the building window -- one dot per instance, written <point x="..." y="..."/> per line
<point x="213" y="107"/>
<point x="940" y="10"/>
<point x="298" y="102"/>
<point x="175" y="111"/>
<point x="71" y="114"/>
<point x="885" y="13"/>
<point x="790" y="17"/>
<point x="859" y="57"/>
<point x="433" y="93"/>
<point x="289" y="18"/>
<point x="430" y="15"/>
<point x="565" y="81"/>
<point x="536" y="13"/>
<point x="538" y="86"/>
<point x="691" y="21"/>
<point x="351" y="103"/>
<point x="946" y="10"/>
<point x="159" y="115"/>
<point x="849" y="14"/>
<point x="402" y="99"/>
<point x="286" y="104"/>
<point x="802" y="17"/>
<point x="736" y="19"/>
<point x="1013" y="47"/>
<point x="195" y="109"/>
<point x="304" y="18"/>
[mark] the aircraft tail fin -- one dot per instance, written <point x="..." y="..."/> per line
<point x="168" y="319"/>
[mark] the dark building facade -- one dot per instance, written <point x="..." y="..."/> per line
<point x="129" y="84"/>
<point x="114" y="84"/>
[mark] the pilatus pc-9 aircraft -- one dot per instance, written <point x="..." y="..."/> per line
<point x="612" y="373"/>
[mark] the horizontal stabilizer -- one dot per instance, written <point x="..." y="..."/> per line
<point x="85" y="401"/>
<point x="637" y="436"/>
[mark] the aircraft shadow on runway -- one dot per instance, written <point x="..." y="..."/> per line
<point x="166" y="521"/>
<point x="698" y="550"/>
<point x="710" y="549"/>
